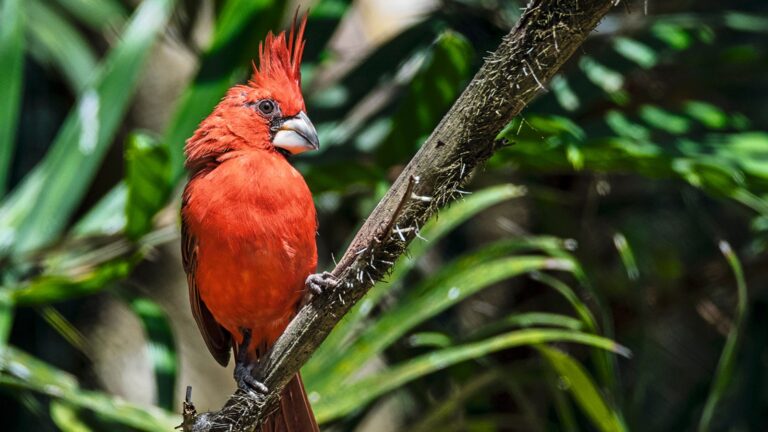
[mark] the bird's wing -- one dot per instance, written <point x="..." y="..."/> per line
<point x="216" y="337"/>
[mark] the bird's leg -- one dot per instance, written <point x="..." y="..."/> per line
<point x="319" y="282"/>
<point x="244" y="368"/>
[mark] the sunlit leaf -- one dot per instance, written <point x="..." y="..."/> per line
<point x="636" y="51"/>
<point x="564" y="94"/>
<point x="107" y="217"/>
<point x="664" y="120"/>
<point x="64" y="328"/>
<point x="66" y="418"/>
<point x="675" y="36"/>
<point x="148" y="177"/>
<point x="583" y="389"/>
<point x="746" y="22"/>
<point x="56" y="41"/>
<point x="603" y="77"/>
<point x="7" y="313"/>
<point x="55" y="288"/>
<point x="707" y="114"/>
<point x="429" y="339"/>
<point x="581" y="309"/>
<point x="161" y="347"/>
<point x="627" y="256"/>
<point x="11" y="68"/>
<point x="622" y="126"/>
<point x="724" y="374"/>
<point x="528" y="319"/>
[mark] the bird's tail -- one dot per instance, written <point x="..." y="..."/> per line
<point x="294" y="413"/>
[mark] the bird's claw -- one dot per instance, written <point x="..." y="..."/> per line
<point x="246" y="381"/>
<point x="319" y="282"/>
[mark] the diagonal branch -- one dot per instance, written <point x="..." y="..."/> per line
<point x="548" y="32"/>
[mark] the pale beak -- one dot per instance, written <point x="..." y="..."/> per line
<point x="296" y="135"/>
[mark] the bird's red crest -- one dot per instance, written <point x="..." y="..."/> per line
<point x="280" y="56"/>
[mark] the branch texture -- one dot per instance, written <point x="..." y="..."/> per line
<point x="548" y="32"/>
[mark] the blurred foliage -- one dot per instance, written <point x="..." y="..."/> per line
<point x="617" y="284"/>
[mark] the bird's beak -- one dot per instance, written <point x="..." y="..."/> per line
<point x="296" y="134"/>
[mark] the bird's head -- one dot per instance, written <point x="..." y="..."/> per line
<point x="266" y="114"/>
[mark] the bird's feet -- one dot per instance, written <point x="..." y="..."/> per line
<point x="319" y="282"/>
<point x="246" y="381"/>
<point x="244" y="369"/>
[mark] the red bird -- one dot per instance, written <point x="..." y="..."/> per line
<point x="249" y="222"/>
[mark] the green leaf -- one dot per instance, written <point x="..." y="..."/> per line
<point x="564" y="94"/>
<point x="725" y="367"/>
<point x="55" y="288"/>
<point x="575" y="156"/>
<point x="40" y="207"/>
<point x="675" y="36"/>
<point x="627" y="256"/>
<point x="746" y="22"/>
<point x="85" y="267"/>
<point x="336" y="402"/>
<point x="583" y="389"/>
<point x="22" y="371"/>
<point x="11" y="75"/>
<point x="528" y="319"/>
<point x="54" y="40"/>
<point x="664" y="120"/>
<point x="161" y="346"/>
<point x="603" y="363"/>
<point x="66" y="418"/>
<point x="732" y="164"/>
<point x="610" y="81"/>
<point x="107" y="217"/>
<point x="570" y="296"/>
<point x="7" y="312"/>
<point x="707" y="114"/>
<point x="148" y="177"/>
<point x="98" y="14"/>
<point x="635" y="51"/>
<point x="64" y="328"/>
<point x="543" y="128"/>
<point x="622" y="126"/>
<point x="562" y="405"/>
<point x="430" y="339"/>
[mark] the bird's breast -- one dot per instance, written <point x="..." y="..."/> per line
<point x="255" y="224"/>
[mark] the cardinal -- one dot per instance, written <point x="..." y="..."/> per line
<point x="249" y="222"/>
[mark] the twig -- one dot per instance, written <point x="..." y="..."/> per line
<point x="188" y="411"/>
<point x="464" y="139"/>
<point x="388" y="228"/>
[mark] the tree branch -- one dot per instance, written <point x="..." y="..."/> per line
<point x="548" y="32"/>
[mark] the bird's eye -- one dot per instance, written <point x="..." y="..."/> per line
<point x="266" y="107"/>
